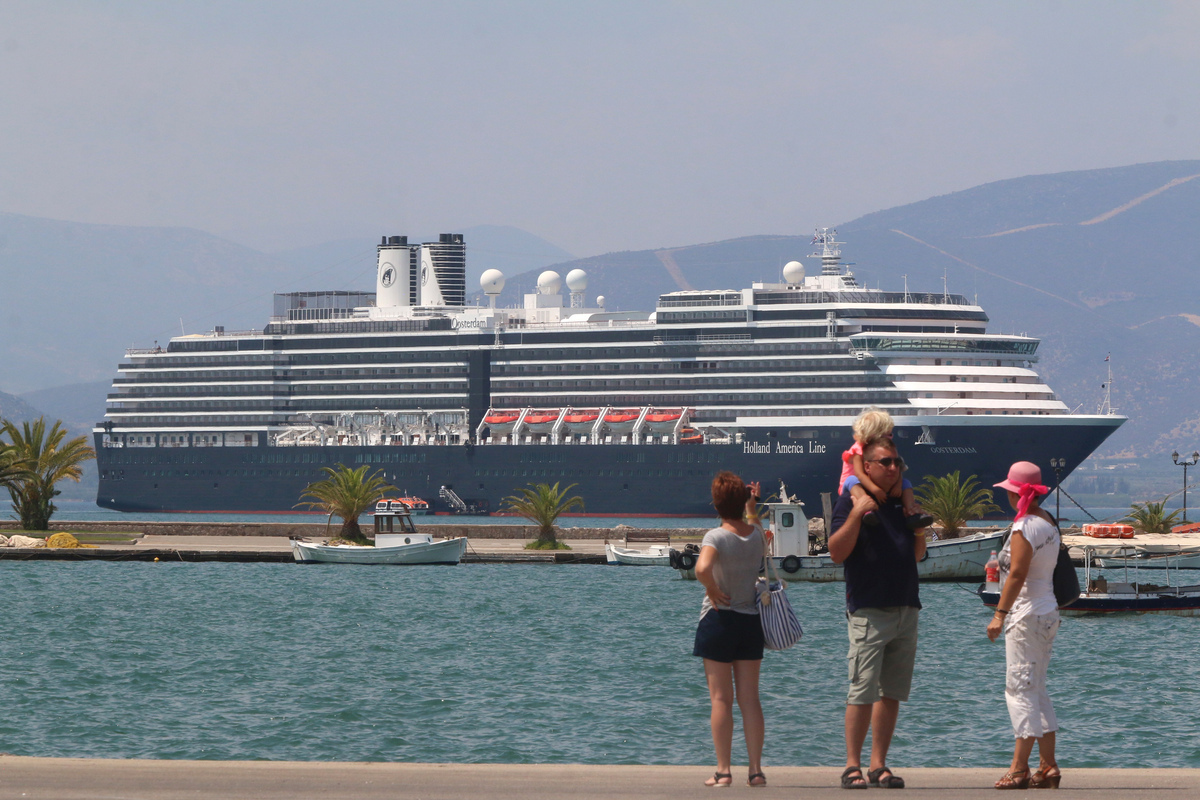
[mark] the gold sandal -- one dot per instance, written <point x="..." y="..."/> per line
<point x="1014" y="779"/>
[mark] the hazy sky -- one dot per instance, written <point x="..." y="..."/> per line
<point x="596" y="125"/>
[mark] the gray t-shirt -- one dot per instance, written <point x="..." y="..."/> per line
<point x="739" y="562"/>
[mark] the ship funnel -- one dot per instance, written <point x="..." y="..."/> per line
<point x="444" y="271"/>
<point x="393" y="278"/>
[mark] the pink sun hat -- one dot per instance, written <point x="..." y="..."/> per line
<point x="1021" y="474"/>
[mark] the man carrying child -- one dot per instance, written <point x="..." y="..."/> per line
<point x="882" y="606"/>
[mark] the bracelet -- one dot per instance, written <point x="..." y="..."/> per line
<point x="1002" y="610"/>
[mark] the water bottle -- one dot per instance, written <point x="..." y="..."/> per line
<point x="991" y="572"/>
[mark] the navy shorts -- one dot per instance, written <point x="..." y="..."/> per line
<point x="729" y="636"/>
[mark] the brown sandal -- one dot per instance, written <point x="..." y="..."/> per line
<point x="1045" y="778"/>
<point x="1015" y="779"/>
<point x="753" y="777"/>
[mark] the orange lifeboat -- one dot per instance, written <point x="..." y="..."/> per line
<point x="621" y="420"/>
<point x="691" y="436"/>
<point x="541" y="421"/>
<point x="501" y="421"/>
<point x="663" y="421"/>
<point x="581" y="421"/>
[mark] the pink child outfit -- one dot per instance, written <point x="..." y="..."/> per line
<point x="848" y="464"/>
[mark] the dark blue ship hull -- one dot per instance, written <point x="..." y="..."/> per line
<point x="618" y="480"/>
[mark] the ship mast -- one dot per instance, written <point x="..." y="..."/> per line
<point x="1106" y="406"/>
<point x="831" y="254"/>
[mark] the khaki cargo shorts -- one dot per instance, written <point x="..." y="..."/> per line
<point x="883" y="647"/>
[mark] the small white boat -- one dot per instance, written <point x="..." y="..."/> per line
<point x="947" y="560"/>
<point x="396" y="542"/>
<point x="656" y="555"/>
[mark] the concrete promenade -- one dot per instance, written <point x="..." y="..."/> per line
<point x="106" y="779"/>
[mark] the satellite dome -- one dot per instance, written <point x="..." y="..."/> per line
<point x="492" y="281"/>
<point x="600" y="301"/>
<point x="549" y="282"/>
<point x="577" y="280"/>
<point x="793" y="272"/>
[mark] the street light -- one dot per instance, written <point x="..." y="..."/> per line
<point x="1185" y="464"/>
<point x="1058" y="465"/>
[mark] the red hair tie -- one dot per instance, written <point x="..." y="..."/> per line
<point x="1028" y="491"/>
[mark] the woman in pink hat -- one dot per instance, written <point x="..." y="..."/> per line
<point x="1027" y="614"/>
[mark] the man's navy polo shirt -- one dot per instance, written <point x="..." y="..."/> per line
<point x="881" y="571"/>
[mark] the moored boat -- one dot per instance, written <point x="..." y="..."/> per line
<point x="1101" y="596"/>
<point x="656" y="555"/>
<point x="397" y="541"/>
<point x="795" y="555"/>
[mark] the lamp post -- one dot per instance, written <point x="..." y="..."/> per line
<point x="1185" y="464"/>
<point x="1057" y="464"/>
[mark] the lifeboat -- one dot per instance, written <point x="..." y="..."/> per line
<point x="621" y="420"/>
<point x="691" y="436"/>
<point x="541" y="421"/>
<point x="581" y="421"/>
<point x="502" y="421"/>
<point x="663" y="421"/>
<point x="411" y="505"/>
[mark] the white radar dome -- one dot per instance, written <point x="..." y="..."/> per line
<point x="492" y="281"/>
<point x="549" y="282"/>
<point x="577" y="280"/>
<point x="793" y="272"/>
<point x="600" y="301"/>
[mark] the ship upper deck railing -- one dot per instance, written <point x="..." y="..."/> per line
<point x="804" y="296"/>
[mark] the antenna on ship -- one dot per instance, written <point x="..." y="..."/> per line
<point x="906" y="298"/>
<point x="1106" y="404"/>
<point x="830" y="254"/>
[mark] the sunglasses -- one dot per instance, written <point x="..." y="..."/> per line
<point x="888" y="462"/>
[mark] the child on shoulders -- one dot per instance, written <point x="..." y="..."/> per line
<point x="873" y="423"/>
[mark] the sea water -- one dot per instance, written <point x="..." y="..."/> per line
<point x="522" y="664"/>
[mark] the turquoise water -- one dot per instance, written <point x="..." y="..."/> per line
<point x="520" y="664"/>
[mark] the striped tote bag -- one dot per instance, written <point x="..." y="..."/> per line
<point x="781" y="627"/>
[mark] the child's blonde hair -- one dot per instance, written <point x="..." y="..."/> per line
<point x="872" y="423"/>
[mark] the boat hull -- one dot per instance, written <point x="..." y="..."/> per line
<point x="949" y="560"/>
<point x="444" y="551"/>
<point x="1181" y="602"/>
<point x="612" y="479"/>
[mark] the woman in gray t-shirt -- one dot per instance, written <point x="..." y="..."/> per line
<point x="729" y="637"/>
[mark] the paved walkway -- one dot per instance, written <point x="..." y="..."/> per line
<point x="102" y="779"/>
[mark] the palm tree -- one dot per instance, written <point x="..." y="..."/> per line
<point x="542" y="505"/>
<point x="1152" y="517"/>
<point x="952" y="501"/>
<point x="12" y="467"/>
<point x="45" y="460"/>
<point x="347" y="493"/>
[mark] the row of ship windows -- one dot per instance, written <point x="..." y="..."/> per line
<point x="499" y="399"/>
<point x="710" y="383"/>
<point x="506" y="472"/>
<point x="403" y="356"/>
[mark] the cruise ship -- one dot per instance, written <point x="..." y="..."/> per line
<point x="463" y="404"/>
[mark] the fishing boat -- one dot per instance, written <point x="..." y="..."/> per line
<point x="797" y="556"/>
<point x="1130" y="595"/>
<point x="396" y="542"/>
